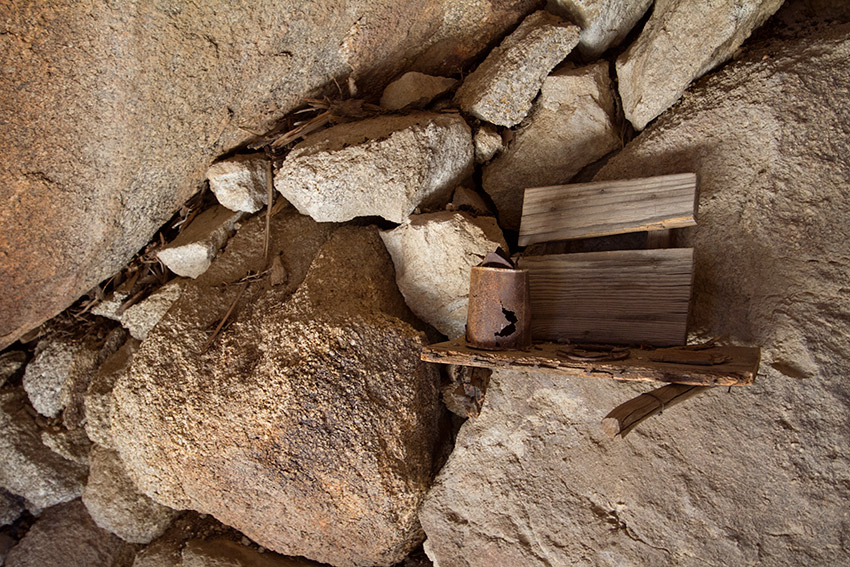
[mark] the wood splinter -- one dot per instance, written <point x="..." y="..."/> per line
<point x="625" y="417"/>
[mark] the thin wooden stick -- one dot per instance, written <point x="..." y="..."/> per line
<point x="269" y="194"/>
<point x="625" y="417"/>
<point x="223" y="320"/>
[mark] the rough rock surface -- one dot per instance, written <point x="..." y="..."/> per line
<point x="432" y="255"/>
<point x="385" y="166"/>
<point x="146" y="96"/>
<point x="10" y="363"/>
<point x="58" y="362"/>
<point x="681" y="42"/>
<point x="309" y="424"/>
<point x="72" y="444"/>
<point x="140" y="318"/>
<point x="213" y="552"/>
<point x="488" y="142"/>
<point x="226" y="553"/>
<point x="414" y="89"/>
<point x="239" y="183"/>
<point x="501" y="89"/>
<point x="758" y="476"/>
<point x="11" y="508"/>
<point x="30" y="469"/>
<point x="603" y="23"/>
<point x="572" y="124"/>
<point x="192" y="252"/>
<point x="66" y="536"/>
<point x="98" y="398"/>
<point x="116" y="505"/>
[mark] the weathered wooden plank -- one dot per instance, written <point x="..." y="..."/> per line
<point x="626" y="416"/>
<point x="712" y="366"/>
<point x="584" y="210"/>
<point x="620" y="297"/>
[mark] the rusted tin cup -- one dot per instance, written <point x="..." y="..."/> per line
<point x="499" y="313"/>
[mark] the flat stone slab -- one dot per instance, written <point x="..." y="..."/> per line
<point x="385" y="166"/>
<point x="501" y="89"/>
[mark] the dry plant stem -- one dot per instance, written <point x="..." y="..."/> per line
<point x="269" y="193"/>
<point x="625" y="417"/>
<point x="224" y="319"/>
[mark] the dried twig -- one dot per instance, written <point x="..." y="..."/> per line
<point x="223" y="319"/>
<point x="269" y="195"/>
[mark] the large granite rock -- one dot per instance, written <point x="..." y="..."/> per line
<point x="603" y="23"/>
<point x="682" y="41"/>
<point x="571" y="125"/>
<point x="113" y="111"/>
<point x="116" y="505"/>
<point x="501" y="89"/>
<point x="30" y="469"/>
<point x="65" y="536"/>
<point x="385" y="166"/>
<point x="432" y="255"/>
<point x="309" y="425"/>
<point x="755" y="476"/>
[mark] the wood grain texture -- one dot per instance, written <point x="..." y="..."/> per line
<point x="713" y="366"/>
<point x="584" y="210"/>
<point x="626" y="416"/>
<point x="622" y="297"/>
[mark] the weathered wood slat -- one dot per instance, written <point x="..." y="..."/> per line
<point x="625" y="417"/>
<point x="621" y="297"/>
<point x="714" y="366"/>
<point x="584" y="210"/>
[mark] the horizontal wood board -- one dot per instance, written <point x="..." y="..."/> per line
<point x="628" y="297"/>
<point x="585" y="210"/>
<point x="714" y="366"/>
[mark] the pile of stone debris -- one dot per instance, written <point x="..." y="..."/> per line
<point x="271" y="376"/>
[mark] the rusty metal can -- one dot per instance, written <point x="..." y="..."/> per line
<point x="499" y="313"/>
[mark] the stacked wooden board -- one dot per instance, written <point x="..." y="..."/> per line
<point x="585" y="304"/>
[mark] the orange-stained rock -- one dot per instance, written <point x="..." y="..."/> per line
<point x="112" y="112"/>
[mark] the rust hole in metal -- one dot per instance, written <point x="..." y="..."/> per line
<point x="510" y="328"/>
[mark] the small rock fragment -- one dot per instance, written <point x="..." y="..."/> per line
<point x="110" y="306"/>
<point x="385" y="166"/>
<point x="192" y="252"/>
<point x="65" y="535"/>
<point x="604" y="23"/>
<point x="30" y="469"/>
<point x="465" y="394"/>
<point x="414" y="89"/>
<point x="72" y="444"/>
<point x="488" y="142"/>
<point x="10" y="363"/>
<point x="502" y="88"/>
<point x="58" y="362"/>
<point x="11" y="508"/>
<point x="98" y="398"/>
<point x="143" y="316"/>
<point x="465" y="199"/>
<point x="239" y="183"/>
<point x="571" y="126"/>
<point x="681" y="42"/>
<point x="432" y="255"/>
<point x="117" y="506"/>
